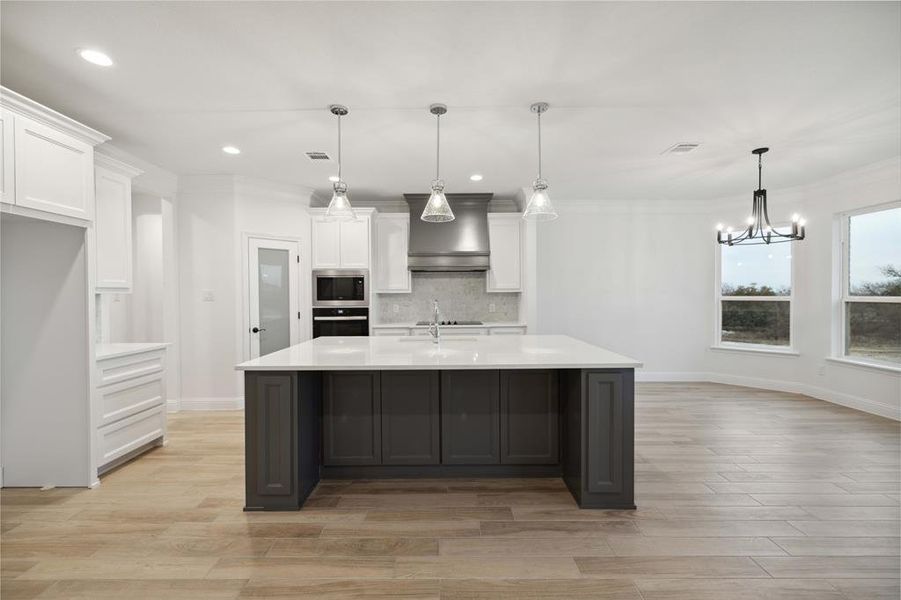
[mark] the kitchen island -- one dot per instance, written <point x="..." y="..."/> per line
<point x="481" y="406"/>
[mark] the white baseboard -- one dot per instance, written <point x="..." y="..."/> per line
<point x="211" y="403"/>
<point x="791" y="387"/>
<point x="667" y="377"/>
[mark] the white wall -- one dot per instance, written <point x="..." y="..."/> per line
<point x="638" y="278"/>
<point x="213" y="212"/>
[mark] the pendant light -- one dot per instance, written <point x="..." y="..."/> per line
<point x="437" y="210"/>
<point x="339" y="207"/>
<point x="759" y="230"/>
<point x="539" y="207"/>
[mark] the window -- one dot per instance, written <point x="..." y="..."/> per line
<point x="755" y="295"/>
<point x="871" y="285"/>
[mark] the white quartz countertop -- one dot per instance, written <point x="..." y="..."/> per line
<point x="103" y="351"/>
<point x="454" y="352"/>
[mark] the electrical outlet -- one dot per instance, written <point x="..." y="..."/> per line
<point x="491" y="307"/>
<point x="822" y="370"/>
<point x="395" y="308"/>
<point x="207" y="296"/>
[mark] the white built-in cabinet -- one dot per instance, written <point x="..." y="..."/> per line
<point x="341" y="244"/>
<point x="112" y="188"/>
<point x="47" y="161"/>
<point x="7" y="166"/>
<point x="131" y="395"/>
<point x="392" y="238"/>
<point x="505" y="233"/>
<point x="54" y="171"/>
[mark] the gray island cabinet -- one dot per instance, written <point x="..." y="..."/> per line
<point x="377" y="407"/>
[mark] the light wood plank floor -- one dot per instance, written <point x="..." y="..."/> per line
<point x="742" y="494"/>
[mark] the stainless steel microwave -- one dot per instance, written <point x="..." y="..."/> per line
<point x="340" y="287"/>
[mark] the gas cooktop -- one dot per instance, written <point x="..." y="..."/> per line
<point x="420" y="323"/>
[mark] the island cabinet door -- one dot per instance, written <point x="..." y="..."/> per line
<point x="351" y="418"/>
<point x="271" y="441"/>
<point x="410" y="418"/>
<point x="469" y="417"/>
<point x="529" y="418"/>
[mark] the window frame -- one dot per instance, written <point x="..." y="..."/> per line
<point x="718" y="343"/>
<point x="842" y="291"/>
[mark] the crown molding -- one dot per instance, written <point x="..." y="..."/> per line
<point x="19" y="104"/>
<point x="116" y="165"/>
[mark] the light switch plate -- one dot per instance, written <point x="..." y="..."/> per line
<point x="207" y="296"/>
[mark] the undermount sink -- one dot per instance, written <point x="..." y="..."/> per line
<point x="428" y="339"/>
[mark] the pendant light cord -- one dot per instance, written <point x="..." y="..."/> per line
<point x="339" y="147"/>
<point x="539" y="144"/>
<point x="438" y="149"/>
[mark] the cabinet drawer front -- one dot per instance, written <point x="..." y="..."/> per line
<point x="54" y="172"/>
<point x="129" y="397"/>
<point x="121" y="437"/>
<point x="122" y="368"/>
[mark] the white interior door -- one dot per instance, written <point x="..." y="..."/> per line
<point x="273" y="293"/>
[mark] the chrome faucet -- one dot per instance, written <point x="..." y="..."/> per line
<point x="434" y="329"/>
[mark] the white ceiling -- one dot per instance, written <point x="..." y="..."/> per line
<point x="820" y="83"/>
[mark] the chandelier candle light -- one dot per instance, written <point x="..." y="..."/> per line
<point x="759" y="229"/>
<point x="539" y="207"/>
<point x="339" y="207"/>
<point x="437" y="209"/>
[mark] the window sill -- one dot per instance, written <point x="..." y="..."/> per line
<point x="756" y="350"/>
<point x="856" y="362"/>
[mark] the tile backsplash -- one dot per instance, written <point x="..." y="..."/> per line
<point x="461" y="297"/>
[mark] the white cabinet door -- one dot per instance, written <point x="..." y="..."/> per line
<point x="7" y="166"/>
<point x="354" y="243"/>
<point x="113" y="231"/>
<point x="54" y="171"/>
<point x="505" y="237"/>
<point x="392" y="235"/>
<point x="326" y="243"/>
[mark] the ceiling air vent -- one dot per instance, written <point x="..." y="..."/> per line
<point x="318" y="156"/>
<point x="681" y="148"/>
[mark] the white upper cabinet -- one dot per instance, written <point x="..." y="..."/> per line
<point x="54" y="172"/>
<point x="47" y="161"/>
<point x="392" y="237"/>
<point x="7" y="166"/>
<point x="340" y="244"/>
<point x="112" y="181"/>
<point x="355" y="243"/>
<point x="326" y="243"/>
<point x="505" y="238"/>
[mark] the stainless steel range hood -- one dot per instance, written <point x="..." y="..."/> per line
<point x="460" y="245"/>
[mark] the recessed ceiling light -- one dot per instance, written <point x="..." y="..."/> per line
<point x="230" y="150"/>
<point x="95" y="57"/>
<point x="475" y="177"/>
<point x="334" y="178"/>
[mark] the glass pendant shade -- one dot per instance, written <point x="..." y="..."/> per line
<point x="540" y="207"/>
<point x="339" y="207"/>
<point x="437" y="209"/>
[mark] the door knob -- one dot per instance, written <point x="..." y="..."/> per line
<point x="257" y="329"/>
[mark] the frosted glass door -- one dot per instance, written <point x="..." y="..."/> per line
<point x="275" y="300"/>
<point x="273" y="318"/>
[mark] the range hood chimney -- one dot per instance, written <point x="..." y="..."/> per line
<point x="458" y="245"/>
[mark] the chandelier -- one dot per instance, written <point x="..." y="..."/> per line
<point x="759" y="230"/>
